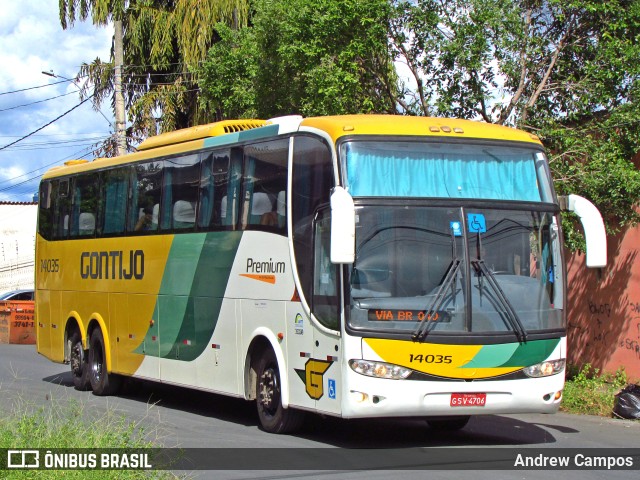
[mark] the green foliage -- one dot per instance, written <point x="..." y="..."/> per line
<point x="163" y="43"/>
<point x="311" y="58"/>
<point x="67" y="426"/>
<point x="588" y="392"/>
<point x="565" y="70"/>
<point x="593" y="160"/>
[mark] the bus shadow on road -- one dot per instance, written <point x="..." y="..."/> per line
<point x="482" y="430"/>
<point x="172" y="397"/>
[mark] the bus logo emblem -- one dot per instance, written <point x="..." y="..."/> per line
<point x="313" y="377"/>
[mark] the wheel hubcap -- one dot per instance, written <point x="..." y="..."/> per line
<point x="77" y="359"/>
<point x="97" y="367"/>
<point x="269" y="390"/>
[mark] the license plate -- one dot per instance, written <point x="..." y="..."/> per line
<point x="468" y="399"/>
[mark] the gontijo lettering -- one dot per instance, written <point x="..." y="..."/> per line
<point x="112" y="265"/>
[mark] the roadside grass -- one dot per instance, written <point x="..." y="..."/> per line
<point x="589" y="392"/>
<point x="68" y="426"/>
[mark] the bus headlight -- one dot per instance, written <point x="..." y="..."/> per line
<point x="544" y="369"/>
<point x="379" y="369"/>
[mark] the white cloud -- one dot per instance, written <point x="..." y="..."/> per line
<point x="32" y="41"/>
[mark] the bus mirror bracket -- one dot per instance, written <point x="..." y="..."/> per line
<point x="594" y="232"/>
<point x="343" y="227"/>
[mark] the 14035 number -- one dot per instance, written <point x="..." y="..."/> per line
<point x="430" y="358"/>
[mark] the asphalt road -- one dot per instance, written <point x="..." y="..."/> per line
<point x="175" y="417"/>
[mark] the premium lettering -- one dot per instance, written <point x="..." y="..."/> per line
<point x="112" y="265"/>
<point x="265" y="267"/>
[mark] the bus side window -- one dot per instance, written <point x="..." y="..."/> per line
<point x="61" y="208"/>
<point x="265" y="177"/>
<point x="145" y="194"/>
<point x="85" y="205"/>
<point x="313" y="178"/>
<point x="45" y="209"/>
<point x="214" y="181"/>
<point x="180" y="192"/>
<point x="325" y="304"/>
<point x="113" y="208"/>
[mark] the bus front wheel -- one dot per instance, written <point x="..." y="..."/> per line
<point x="78" y="362"/>
<point x="102" y="382"/>
<point x="274" y="418"/>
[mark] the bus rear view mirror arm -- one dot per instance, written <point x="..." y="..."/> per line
<point x="343" y="227"/>
<point x="594" y="232"/>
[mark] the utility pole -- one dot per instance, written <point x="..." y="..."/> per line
<point x="121" y="125"/>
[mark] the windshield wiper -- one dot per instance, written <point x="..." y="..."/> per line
<point x="449" y="279"/>
<point x="510" y="312"/>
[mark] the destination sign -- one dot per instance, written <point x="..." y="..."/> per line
<point x="393" y="315"/>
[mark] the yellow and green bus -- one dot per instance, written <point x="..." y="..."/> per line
<point x="355" y="266"/>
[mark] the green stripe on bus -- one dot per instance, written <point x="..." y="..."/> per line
<point x="191" y="293"/>
<point x="491" y="356"/>
<point x="513" y="354"/>
<point x="530" y="353"/>
<point x="244" y="136"/>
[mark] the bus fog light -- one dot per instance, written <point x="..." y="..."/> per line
<point x="358" y="397"/>
<point x="545" y="369"/>
<point x="558" y="395"/>
<point x="379" y="369"/>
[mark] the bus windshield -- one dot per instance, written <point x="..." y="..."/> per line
<point x="456" y="270"/>
<point x="453" y="238"/>
<point x="445" y="170"/>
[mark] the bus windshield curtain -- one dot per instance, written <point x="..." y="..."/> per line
<point x="421" y="174"/>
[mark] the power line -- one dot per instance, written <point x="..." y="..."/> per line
<point x="33" y="88"/>
<point x="73" y="155"/>
<point x="53" y="143"/>
<point x="46" y="125"/>
<point x="49" y="147"/>
<point x="36" y="102"/>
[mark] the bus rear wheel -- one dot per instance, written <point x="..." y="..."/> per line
<point x="274" y="418"/>
<point x="450" y="424"/>
<point x="78" y="362"/>
<point x="102" y="382"/>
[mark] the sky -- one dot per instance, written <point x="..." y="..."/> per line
<point x="32" y="41"/>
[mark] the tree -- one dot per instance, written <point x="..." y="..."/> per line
<point x="164" y="42"/>
<point x="566" y="70"/>
<point x="311" y="58"/>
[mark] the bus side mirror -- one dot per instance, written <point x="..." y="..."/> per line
<point x="593" y="226"/>
<point x="343" y="227"/>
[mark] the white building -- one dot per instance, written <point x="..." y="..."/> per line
<point x="18" y="222"/>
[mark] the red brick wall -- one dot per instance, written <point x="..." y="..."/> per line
<point x="604" y="308"/>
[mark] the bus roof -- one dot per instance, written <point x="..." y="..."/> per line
<point x="230" y="131"/>
<point x="347" y="125"/>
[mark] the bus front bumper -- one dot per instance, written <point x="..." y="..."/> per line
<point x="374" y="397"/>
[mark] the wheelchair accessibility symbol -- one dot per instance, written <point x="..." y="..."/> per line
<point x="332" y="388"/>
<point x="476" y="223"/>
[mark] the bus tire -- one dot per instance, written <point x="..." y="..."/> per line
<point x="449" y="424"/>
<point x="78" y="362"/>
<point x="102" y="382"/>
<point x="274" y="418"/>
